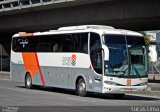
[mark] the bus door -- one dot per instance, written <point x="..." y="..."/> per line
<point x="96" y="60"/>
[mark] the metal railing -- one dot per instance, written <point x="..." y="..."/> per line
<point x="7" y="5"/>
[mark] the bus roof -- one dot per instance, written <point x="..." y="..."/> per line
<point x="84" y="27"/>
<point x="100" y="29"/>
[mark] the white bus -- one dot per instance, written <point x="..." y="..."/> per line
<point x="88" y="58"/>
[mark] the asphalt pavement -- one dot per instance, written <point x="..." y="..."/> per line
<point x="62" y="100"/>
<point x="12" y="93"/>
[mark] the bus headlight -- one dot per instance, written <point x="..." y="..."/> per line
<point x="110" y="83"/>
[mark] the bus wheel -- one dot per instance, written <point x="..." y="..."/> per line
<point x="119" y="95"/>
<point x="81" y="88"/>
<point x="28" y="81"/>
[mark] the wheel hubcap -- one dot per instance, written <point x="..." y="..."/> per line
<point x="81" y="87"/>
<point x="28" y="81"/>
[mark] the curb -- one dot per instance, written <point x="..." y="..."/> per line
<point x="5" y="75"/>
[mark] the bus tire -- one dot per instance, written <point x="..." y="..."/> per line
<point x="118" y="96"/>
<point x="81" y="88"/>
<point x="28" y="81"/>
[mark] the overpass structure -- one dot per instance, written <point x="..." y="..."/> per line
<point x="41" y="15"/>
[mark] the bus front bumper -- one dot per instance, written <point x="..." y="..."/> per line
<point x="123" y="89"/>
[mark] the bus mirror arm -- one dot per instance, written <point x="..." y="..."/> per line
<point x="106" y="52"/>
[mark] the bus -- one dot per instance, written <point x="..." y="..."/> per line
<point x="86" y="58"/>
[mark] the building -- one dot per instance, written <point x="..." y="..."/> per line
<point x="152" y="48"/>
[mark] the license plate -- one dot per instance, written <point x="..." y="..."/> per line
<point x="127" y="90"/>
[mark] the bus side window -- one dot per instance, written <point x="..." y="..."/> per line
<point x="81" y="43"/>
<point x="57" y="44"/>
<point x="55" y="47"/>
<point x="96" y="56"/>
<point x="20" y="44"/>
<point x="85" y="47"/>
<point x="68" y="44"/>
<point x="84" y="43"/>
<point x="15" y="45"/>
<point x="60" y="47"/>
<point x="31" y="44"/>
<point x="77" y="42"/>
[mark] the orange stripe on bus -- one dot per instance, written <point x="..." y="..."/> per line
<point x="30" y="63"/>
<point x="40" y="71"/>
<point x="25" y="34"/>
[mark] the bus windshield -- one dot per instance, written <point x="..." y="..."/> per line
<point x="127" y="56"/>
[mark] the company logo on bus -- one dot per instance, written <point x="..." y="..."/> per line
<point x="69" y="61"/>
<point x="73" y="59"/>
<point x="129" y="82"/>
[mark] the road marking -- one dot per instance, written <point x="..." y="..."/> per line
<point x="81" y="100"/>
<point x="14" y="89"/>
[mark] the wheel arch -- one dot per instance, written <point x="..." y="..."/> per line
<point x="78" y="78"/>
